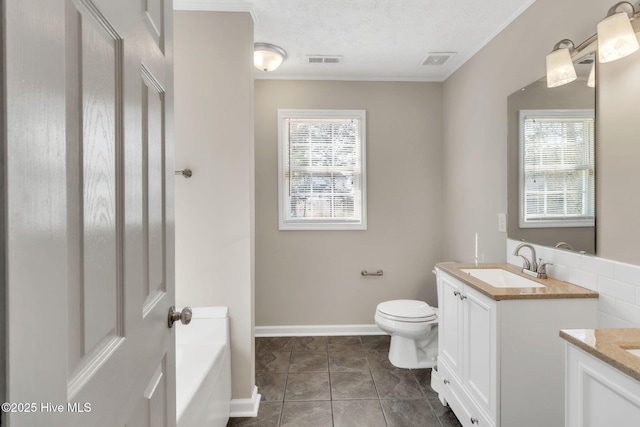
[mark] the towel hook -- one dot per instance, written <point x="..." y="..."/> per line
<point x="185" y="172"/>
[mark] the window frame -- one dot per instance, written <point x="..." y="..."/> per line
<point x="330" y="223"/>
<point x="586" y="221"/>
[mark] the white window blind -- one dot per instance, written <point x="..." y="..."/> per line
<point x="322" y="171"/>
<point x="557" y="176"/>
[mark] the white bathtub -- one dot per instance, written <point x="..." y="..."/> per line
<point x="203" y="369"/>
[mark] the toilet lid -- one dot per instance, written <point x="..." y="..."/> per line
<point x="407" y="308"/>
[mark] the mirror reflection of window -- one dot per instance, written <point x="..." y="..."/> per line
<point x="557" y="170"/>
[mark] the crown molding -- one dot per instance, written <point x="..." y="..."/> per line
<point x="216" y="6"/>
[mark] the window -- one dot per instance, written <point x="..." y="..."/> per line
<point x="322" y="170"/>
<point x="557" y="173"/>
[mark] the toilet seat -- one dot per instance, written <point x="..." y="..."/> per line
<point x="406" y="311"/>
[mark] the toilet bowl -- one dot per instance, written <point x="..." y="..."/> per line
<point x="413" y="327"/>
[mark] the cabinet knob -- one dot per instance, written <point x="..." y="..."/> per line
<point x="456" y="293"/>
<point x="463" y="297"/>
<point x="446" y="381"/>
<point x="474" y="420"/>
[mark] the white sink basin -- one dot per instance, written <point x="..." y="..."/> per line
<point x="499" y="278"/>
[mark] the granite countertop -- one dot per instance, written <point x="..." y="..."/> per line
<point x="610" y="346"/>
<point x="553" y="289"/>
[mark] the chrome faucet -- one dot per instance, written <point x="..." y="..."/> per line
<point x="532" y="268"/>
<point x="526" y="264"/>
<point x="563" y="245"/>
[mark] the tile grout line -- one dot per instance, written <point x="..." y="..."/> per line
<point x="375" y="385"/>
<point x="286" y="383"/>
<point x="333" y="419"/>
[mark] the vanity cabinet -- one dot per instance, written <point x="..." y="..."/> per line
<point x="501" y="361"/>
<point x="599" y="394"/>
<point x="467" y="351"/>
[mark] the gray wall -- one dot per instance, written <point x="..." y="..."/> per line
<point x="452" y="139"/>
<point x="214" y="208"/>
<point x="313" y="277"/>
<point x="475" y="120"/>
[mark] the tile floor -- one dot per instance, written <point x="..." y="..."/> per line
<point x="340" y="381"/>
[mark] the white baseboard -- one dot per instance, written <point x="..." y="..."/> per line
<point x="316" y="330"/>
<point x="246" y="407"/>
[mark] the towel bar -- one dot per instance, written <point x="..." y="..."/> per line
<point x="377" y="273"/>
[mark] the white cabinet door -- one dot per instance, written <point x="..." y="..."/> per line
<point x="479" y="335"/>
<point x="467" y="358"/>
<point x="450" y="324"/>
<point x="597" y="394"/>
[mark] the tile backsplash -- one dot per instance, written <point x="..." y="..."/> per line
<point x="617" y="283"/>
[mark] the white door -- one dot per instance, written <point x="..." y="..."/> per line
<point x="89" y="212"/>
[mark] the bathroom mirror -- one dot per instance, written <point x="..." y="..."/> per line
<point x="537" y="101"/>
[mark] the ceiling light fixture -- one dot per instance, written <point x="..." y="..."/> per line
<point x="560" y="69"/>
<point x="616" y="38"/>
<point x="267" y="56"/>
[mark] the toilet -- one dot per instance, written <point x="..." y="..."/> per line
<point x="413" y="326"/>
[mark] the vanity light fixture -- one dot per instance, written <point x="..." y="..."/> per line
<point x="616" y="38"/>
<point x="560" y="69"/>
<point x="267" y="56"/>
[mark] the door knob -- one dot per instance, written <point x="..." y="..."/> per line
<point x="183" y="316"/>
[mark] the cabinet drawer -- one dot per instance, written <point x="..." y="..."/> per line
<point x="468" y="413"/>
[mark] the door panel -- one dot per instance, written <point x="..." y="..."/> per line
<point x="94" y="58"/>
<point x="480" y="344"/>
<point x="150" y="410"/>
<point x="477" y="342"/>
<point x="100" y="86"/>
<point x="90" y="230"/>
<point x="154" y="18"/>
<point x="153" y="140"/>
<point x="450" y="327"/>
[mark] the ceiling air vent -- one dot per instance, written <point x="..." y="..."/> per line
<point x="324" y="59"/>
<point x="437" y="58"/>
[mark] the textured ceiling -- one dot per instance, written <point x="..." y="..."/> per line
<point x="377" y="39"/>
